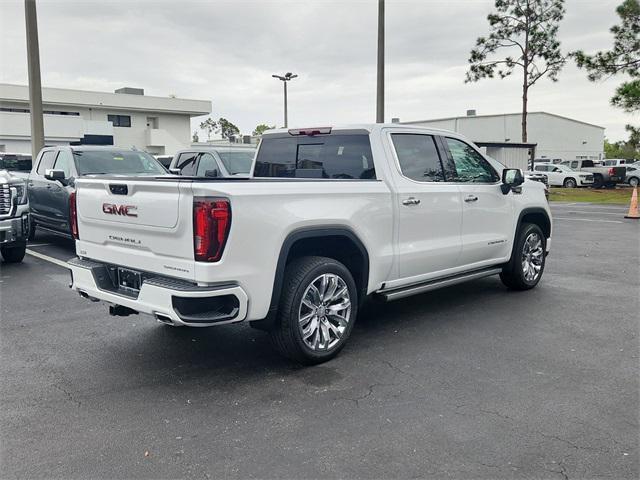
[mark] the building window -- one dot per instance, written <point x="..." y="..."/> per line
<point x="120" y="120"/>
<point x="46" y="112"/>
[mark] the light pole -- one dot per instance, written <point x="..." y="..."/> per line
<point x="35" y="90"/>
<point x="380" y="87"/>
<point x="285" y="78"/>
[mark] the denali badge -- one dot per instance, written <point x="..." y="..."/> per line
<point x="128" y="210"/>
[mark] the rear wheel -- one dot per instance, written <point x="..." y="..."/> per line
<point x="598" y="181"/>
<point x="13" y="253"/>
<point x="317" y="310"/>
<point x="634" y="181"/>
<point x="526" y="266"/>
<point x="570" y="183"/>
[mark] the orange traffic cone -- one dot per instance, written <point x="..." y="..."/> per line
<point x="633" y="208"/>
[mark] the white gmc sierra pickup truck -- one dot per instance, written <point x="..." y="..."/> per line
<point x="328" y="217"/>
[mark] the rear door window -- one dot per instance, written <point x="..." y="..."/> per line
<point x="46" y="162"/>
<point x="187" y="163"/>
<point x="418" y="157"/>
<point x="335" y="156"/>
<point x="207" y="164"/>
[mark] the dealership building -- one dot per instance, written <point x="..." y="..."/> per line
<point x="126" y="118"/>
<point x="550" y="136"/>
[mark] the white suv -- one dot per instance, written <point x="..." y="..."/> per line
<point x="563" y="176"/>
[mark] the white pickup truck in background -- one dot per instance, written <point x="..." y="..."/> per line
<point x="328" y="217"/>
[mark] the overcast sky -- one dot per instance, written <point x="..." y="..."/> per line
<point x="226" y="51"/>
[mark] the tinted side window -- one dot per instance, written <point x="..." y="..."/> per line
<point x="418" y="157"/>
<point x="470" y="165"/>
<point x="63" y="162"/>
<point x="46" y="162"/>
<point x="575" y="164"/>
<point x="187" y="163"/>
<point x="206" y="163"/>
<point x="333" y="156"/>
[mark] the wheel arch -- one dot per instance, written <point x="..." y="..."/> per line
<point x="337" y="242"/>
<point x="538" y="216"/>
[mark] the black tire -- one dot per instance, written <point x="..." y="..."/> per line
<point x="634" y="181"/>
<point x="598" y="181"/>
<point x="32" y="230"/>
<point x="13" y="253"/>
<point x="610" y="185"/>
<point x="570" y="183"/>
<point x="513" y="275"/>
<point x="286" y="334"/>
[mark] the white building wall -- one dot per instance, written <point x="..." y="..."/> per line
<point x="555" y="136"/>
<point x="171" y="130"/>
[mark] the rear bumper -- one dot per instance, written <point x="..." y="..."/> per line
<point x="168" y="300"/>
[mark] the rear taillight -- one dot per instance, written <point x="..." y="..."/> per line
<point x="612" y="172"/>
<point x="211" y="223"/>
<point x="73" y="215"/>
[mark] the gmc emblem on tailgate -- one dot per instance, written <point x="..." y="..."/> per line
<point x="127" y="210"/>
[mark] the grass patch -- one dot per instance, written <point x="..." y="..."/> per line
<point x="619" y="196"/>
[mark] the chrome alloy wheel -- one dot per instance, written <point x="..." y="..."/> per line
<point x="532" y="257"/>
<point x="325" y="311"/>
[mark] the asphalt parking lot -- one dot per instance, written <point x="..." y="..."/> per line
<point x="469" y="382"/>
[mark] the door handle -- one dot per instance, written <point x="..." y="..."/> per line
<point x="411" y="201"/>
<point x="471" y="198"/>
<point x="49" y="186"/>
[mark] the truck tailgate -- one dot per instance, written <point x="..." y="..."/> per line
<point x="618" y="174"/>
<point x="140" y="224"/>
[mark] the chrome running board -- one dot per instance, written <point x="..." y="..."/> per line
<point x="416" y="288"/>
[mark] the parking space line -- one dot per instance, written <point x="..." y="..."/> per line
<point x="588" y="220"/>
<point x="594" y="213"/>
<point x="39" y="244"/>
<point x="47" y="258"/>
<point x="590" y="207"/>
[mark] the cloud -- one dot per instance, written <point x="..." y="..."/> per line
<point x="226" y="51"/>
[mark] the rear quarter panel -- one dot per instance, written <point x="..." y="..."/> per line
<point x="264" y="213"/>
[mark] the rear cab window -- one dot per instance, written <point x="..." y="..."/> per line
<point x="339" y="155"/>
<point x="118" y="162"/>
<point x="237" y="162"/>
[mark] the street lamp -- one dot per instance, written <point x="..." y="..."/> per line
<point x="380" y="69"/>
<point x="285" y="78"/>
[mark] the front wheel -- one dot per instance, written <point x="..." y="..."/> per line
<point x="13" y="253"/>
<point x="570" y="183"/>
<point x="634" y="181"/>
<point x="317" y="310"/>
<point x="526" y="266"/>
<point x="32" y="230"/>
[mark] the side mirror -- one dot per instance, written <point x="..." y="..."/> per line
<point x="211" y="173"/>
<point x="511" y="178"/>
<point x="175" y="171"/>
<point x="55" y="175"/>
